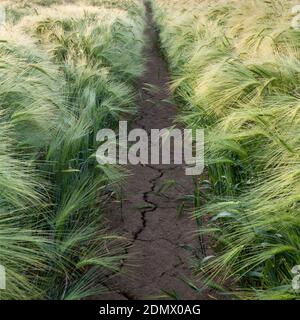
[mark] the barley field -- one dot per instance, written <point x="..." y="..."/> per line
<point x="67" y="69"/>
<point x="235" y="67"/>
<point x="74" y="229"/>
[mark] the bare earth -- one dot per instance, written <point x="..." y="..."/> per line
<point x="162" y="244"/>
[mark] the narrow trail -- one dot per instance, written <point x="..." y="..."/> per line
<point x="162" y="244"/>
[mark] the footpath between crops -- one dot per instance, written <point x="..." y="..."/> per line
<point x="154" y="214"/>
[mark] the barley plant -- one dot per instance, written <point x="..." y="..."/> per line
<point x="67" y="69"/>
<point x="236" y="73"/>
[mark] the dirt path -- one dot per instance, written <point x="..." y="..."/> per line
<point x="162" y="244"/>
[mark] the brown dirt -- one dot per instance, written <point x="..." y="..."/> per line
<point x="162" y="246"/>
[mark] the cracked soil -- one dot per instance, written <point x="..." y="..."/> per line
<point x="162" y="243"/>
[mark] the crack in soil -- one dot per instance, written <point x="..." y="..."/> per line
<point x="161" y="244"/>
<point x="154" y="205"/>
